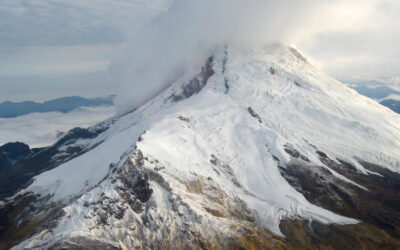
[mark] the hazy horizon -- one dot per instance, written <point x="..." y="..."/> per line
<point x="51" y="49"/>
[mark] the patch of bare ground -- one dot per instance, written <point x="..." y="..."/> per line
<point x="377" y="206"/>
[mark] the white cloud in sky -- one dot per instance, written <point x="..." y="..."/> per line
<point x="360" y="41"/>
<point x="395" y="80"/>
<point x="181" y="38"/>
<point x="58" y="36"/>
<point x="83" y="22"/>
<point x="42" y="129"/>
<point x="57" y="41"/>
<point x="349" y="39"/>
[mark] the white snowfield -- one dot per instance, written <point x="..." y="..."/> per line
<point x="296" y="104"/>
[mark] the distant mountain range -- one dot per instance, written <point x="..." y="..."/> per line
<point x="377" y="92"/>
<point x="65" y="104"/>
<point x="381" y="94"/>
<point x="392" y="104"/>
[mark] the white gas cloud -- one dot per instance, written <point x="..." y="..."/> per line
<point x="187" y="33"/>
<point x="350" y="40"/>
<point x="181" y="39"/>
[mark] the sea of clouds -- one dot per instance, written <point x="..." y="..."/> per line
<point x="44" y="129"/>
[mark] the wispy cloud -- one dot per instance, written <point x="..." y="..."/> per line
<point x="58" y="22"/>
<point x="349" y="39"/>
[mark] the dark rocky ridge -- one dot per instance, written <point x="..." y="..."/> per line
<point x="196" y="84"/>
<point x="378" y="205"/>
<point x="27" y="215"/>
<point x="11" y="153"/>
<point x="254" y="114"/>
<point x="82" y="243"/>
<point x="18" y="164"/>
<point x="314" y="235"/>
<point x="135" y="188"/>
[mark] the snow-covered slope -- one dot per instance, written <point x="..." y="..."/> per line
<point x="204" y="158"/>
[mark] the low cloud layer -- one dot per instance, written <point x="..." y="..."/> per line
<point x="179" y="40"/>
<point x="39" y="130"/>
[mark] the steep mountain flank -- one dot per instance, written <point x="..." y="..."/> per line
<point x="258" y="150"/>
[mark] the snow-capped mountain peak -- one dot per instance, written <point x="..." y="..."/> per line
<point x="219" y="154"/>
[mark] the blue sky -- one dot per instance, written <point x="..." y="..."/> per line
<point x="51" y="48"/>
